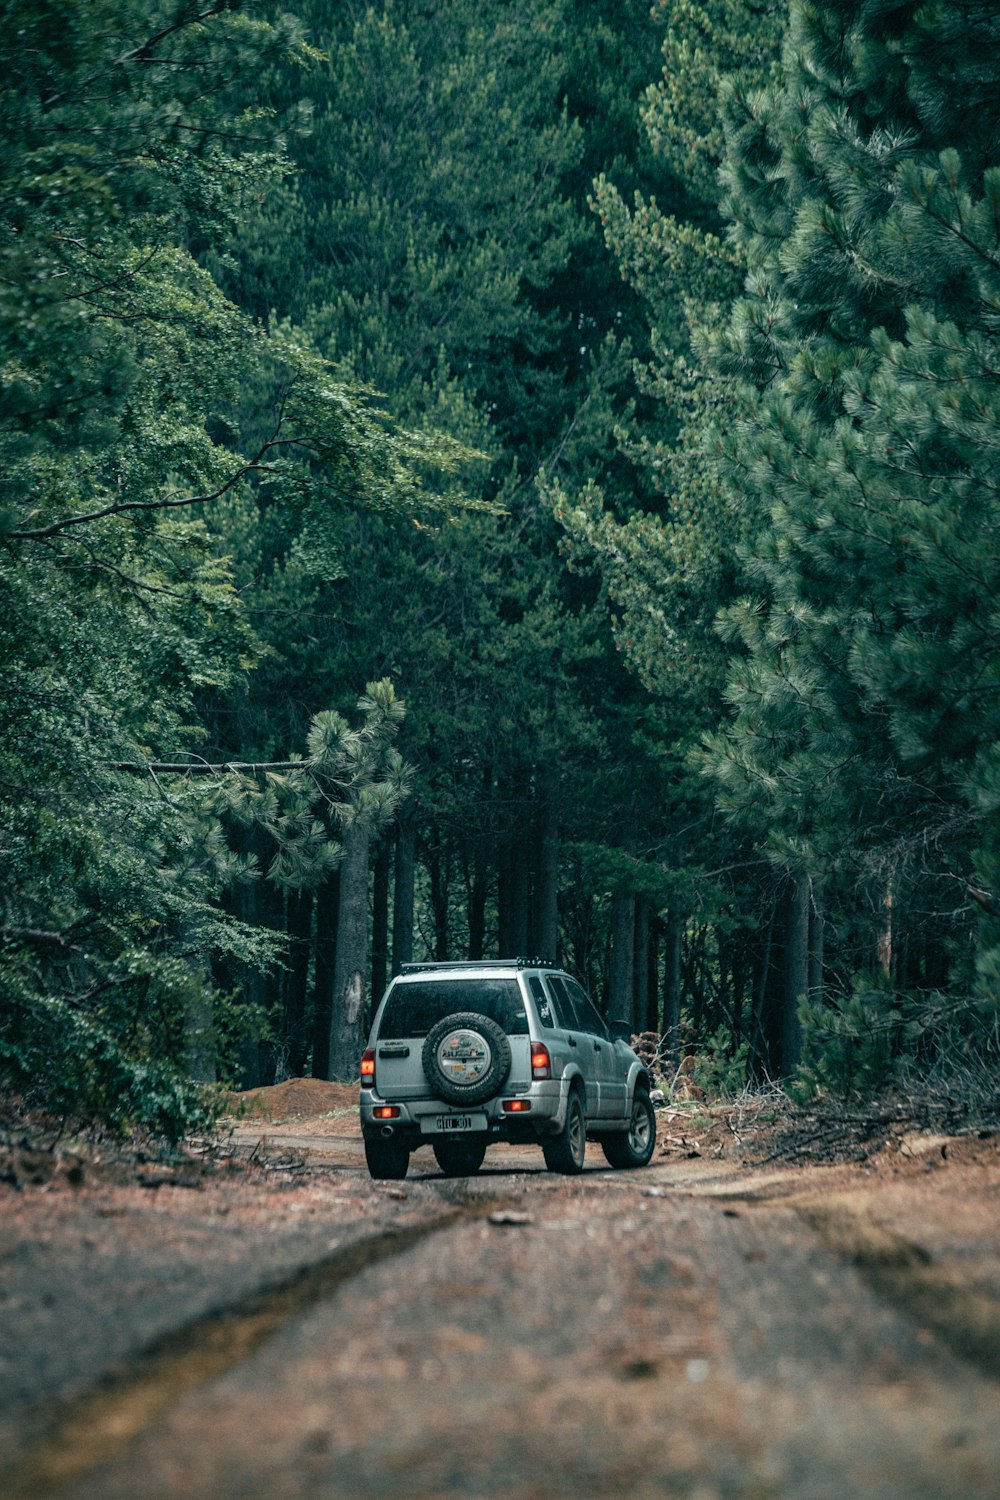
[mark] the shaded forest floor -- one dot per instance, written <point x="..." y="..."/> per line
<point x="898" y="1134"/>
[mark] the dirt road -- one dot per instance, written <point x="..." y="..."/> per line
<point x="700" y="1329"/>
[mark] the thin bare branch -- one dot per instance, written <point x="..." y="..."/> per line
<point x="206" y="768"/>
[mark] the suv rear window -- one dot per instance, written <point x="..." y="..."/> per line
<point x="413" y="1008"/>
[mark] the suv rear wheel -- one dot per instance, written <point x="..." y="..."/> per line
<point x="466" y="1058"/>
<point x="565" y="1152"/>
<point x="634" y="1146"/>
<point x="459" y="1158"/>
<point x="387" y="1159"/>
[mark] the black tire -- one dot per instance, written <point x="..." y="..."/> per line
<point x="389" y="1160"/>
<point x="489" y="1070"/>
<point x="634" y="1147"/>
<point x="565" y="1152"/>
<point x="460" y="1158"/>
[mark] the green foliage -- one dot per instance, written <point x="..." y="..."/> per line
<point x="863" y="682"/>
<point x="666" y="553"/>
<point x="866" y="692"/>
<point x="420" y="346"/>
<point x="426" y="218"/>
<point x="703" y="46"/>
<point x="436" y="244"/>
<point x="76" y="1064"/>
<point x="668" y="570"/>
<point x="856" y="1046"/>
<point x="720" y="1069"/>
<point x="132" y="144"/>
<point x="876" y="1038"/>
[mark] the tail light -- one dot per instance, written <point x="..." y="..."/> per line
<point x="516" y="1106"/>
<point x="368" y="1068"/>
<point x="541" y="1062"/>
<point x="387" y="1112"/>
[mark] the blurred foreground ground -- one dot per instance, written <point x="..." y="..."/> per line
<point x="781" y="1305"/>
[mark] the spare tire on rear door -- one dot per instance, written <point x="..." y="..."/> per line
<point x="466" y="1058"/>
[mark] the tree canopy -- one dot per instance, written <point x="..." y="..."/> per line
<point x="487" y="479"/>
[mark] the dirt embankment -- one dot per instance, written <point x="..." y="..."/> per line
<point x="297" y="1099"/>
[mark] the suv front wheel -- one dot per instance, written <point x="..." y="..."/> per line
<point x="634" y="1146"/>
<point x="565" y="1151"/>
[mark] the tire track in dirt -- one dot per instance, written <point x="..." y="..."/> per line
<point x="938" y="1297"/>
<point x="609" y="1335"/>
<point x="693" y="1330"/>
<point x="86" y="1431"/>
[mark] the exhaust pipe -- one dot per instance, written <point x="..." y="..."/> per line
<point x="387" y="1132"/>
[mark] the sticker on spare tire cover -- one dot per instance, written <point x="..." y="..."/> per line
<point x="464" y="1056"/>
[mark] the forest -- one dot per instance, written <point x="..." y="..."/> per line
<point x="497" y="478"/>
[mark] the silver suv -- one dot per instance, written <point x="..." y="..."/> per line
<point x="464" y="1054"/>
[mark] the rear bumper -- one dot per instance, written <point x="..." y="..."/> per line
<point x="544" y="1116"/>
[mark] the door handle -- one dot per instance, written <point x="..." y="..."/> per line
<point x="571" y="1040"/>
<point x="597" y="1046"/>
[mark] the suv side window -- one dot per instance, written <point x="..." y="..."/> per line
<point x="564" y="1002"/>
<point x="543" y="1004"/>
<point x="588" y="1017"/>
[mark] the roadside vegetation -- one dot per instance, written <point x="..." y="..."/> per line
<point x="485" y="480"/>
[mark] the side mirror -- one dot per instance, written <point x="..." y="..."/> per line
<point x="621" y="1031"/>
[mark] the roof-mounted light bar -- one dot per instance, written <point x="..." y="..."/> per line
<point x="478" y="963"/>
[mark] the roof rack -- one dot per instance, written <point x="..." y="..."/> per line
<point x="479" y="963"/>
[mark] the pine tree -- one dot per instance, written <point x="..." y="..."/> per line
<point x="132" y="147"/>
<point x="666" y="551"/>
<point x="436" y="242"/>
<point x="864" y="192"/>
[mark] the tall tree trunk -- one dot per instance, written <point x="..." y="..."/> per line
<point x="521" y="892"/>
<point x="763" y="1044"/>
<point x="505" y="905"/>
<point x="640" y="964"/>
<point x="199" y="1031"/>
<point x="476" y="912"/>
<point x="479" y="847"/>
<point x="545" y="908"/>
<point x="796" y="973"/>
<point x="351" y="960"/>
<point x="380" y="920"/>
<point x="884" y="940"/>
<point x="512" y="901"/>
<point x="738" y="958"/>
<point x="437" y="865"/>
<point x="620" y="994"/>
<point x="817" y="932"/>
<point x="673" y="983"/>
<point x="696" y="978"/>
<point x="257" y="904"/>
<point x="402" y="901"/>
<point x="327" y="906"/>
<point x="652" y="1022"/>
<point x="300" y="905"/>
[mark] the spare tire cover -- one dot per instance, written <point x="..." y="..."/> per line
<point x="466" y="1058"/>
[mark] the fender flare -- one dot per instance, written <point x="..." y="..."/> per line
<point x="572" y="1081"/>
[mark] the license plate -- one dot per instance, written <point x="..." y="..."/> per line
<point x="446" y="1124"/>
